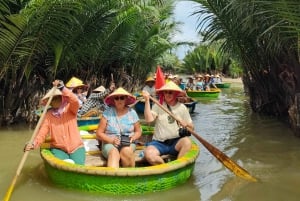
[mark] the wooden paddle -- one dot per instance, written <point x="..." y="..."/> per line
<point x="21" y="164"/>
<point x="227" y="162"/>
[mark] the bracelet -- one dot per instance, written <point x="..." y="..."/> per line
<point x="61" y="87"/>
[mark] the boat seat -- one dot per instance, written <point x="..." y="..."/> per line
<point x="98" y="160"/>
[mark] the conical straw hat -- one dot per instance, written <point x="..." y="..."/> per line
<point x="74" y="82"/>
<point x="57" y="92"/>
<point x="171" y="86"/>
<point x="150" y="79"/>
<point x="109" y="100"/>
<point x="99" y="89"/>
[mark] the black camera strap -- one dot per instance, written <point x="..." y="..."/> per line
<point x="119" y="124"/>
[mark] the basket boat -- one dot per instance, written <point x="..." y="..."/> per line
<point x="213" y="93"/>
<point x="88" y="123"/>
<point x="223" y="85"/>
<point x="191" y="106"/>
<point x="95" y="177"/>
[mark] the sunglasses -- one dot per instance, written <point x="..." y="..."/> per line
<point x="168" y="92"/>
<point x="119" y="98"/>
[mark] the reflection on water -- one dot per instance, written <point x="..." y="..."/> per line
<point x="263" y="146"/>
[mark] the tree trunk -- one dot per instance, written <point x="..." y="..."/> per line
<point x="275" y="90"/>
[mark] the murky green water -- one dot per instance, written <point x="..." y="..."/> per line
<point x="263" y="146"/>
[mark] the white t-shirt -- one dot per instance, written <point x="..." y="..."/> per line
<point x="150" y="90"/>
<point x="165" y="126"/>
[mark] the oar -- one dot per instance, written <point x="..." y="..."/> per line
<point x="12" y="185"/>
<point x="225" y="160"/>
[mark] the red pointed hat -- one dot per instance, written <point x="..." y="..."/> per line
<point x="109" y="100"/>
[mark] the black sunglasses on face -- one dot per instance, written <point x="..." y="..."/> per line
<point x="168" y="92"/>
<point x="119" y="98"/>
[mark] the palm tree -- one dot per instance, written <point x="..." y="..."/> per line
<point x="263" y="35"/>
<point x="44" y="40"/>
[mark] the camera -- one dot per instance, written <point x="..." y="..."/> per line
<point x="125" y="140"/>
<point x="184" y="132"/>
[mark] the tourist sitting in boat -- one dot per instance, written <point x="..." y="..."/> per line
<point x="150" y="86"/>
<point x="166" y="138"/>
<point x="212" y="82"/>
<point x="190" y="85"/>
<point x="94" y="105"/>
<point x="61" y="124"/>
<point x="206" y="82"/>
<point x="79" y="89"/>
<point x="199" y="82"/>
<point x="118" y="129"/>
<point x="217" y="79"/>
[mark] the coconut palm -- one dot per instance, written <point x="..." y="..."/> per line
<point x="265" y="37"/>
<point x="44" y="40"/>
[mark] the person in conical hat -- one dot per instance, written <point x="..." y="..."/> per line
<point x="150" y="86"/>
<point x="79" y="89"/>
<point x="118" y="129"/>
<point x="74" y="82"/>
<point x="95" y="101"/>
<point x="129" y="98"/>
<point x="166" y="138"/>
<point x="61" y="124"/>
<point x="56" y="93"/>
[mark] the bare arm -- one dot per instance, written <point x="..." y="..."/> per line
<point x="137" y="132"/>
<point x="103" y="137"/>
<point x="147" y="112"/>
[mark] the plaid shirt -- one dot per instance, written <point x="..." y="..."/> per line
<point x="94" y="100"/>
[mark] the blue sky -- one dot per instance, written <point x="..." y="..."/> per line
<point x="188" y="28"/>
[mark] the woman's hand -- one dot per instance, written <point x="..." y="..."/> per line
<point x="116" y="141"/>
<point x="146" y="95"/>
<point x="28" y="146"/>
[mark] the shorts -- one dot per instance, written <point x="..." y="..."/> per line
<point x="165" y="147"/>
<point x="107" y="147"/>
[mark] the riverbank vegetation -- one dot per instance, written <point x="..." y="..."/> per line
<point x="91" y="39"/>
<point x="264" y="38"/>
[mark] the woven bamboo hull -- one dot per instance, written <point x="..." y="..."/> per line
<point x="138" y="180"/>
<point x="223" y="85"/>
<point x="200" y="94"/>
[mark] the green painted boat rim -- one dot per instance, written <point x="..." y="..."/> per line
<point x="120" y="181"/>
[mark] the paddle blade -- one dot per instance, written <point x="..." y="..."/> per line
<point x="225" y="160"/>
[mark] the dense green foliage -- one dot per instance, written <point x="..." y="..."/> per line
<point x="42" y="40"/>
<point x="264" y="36"/>
<point x="209" y="59"/>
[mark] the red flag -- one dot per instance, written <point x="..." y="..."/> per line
<point x="160" y="78"/>
<point x="159" y="82"/>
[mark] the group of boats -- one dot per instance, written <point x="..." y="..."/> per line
<point x="94" y="176"/>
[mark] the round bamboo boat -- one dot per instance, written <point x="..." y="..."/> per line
<point x="213" y="93"/>
<point x="124" y="181"/>
<point x="223" y="84"/>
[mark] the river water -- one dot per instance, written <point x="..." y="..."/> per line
<point x="263" y="146"/>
